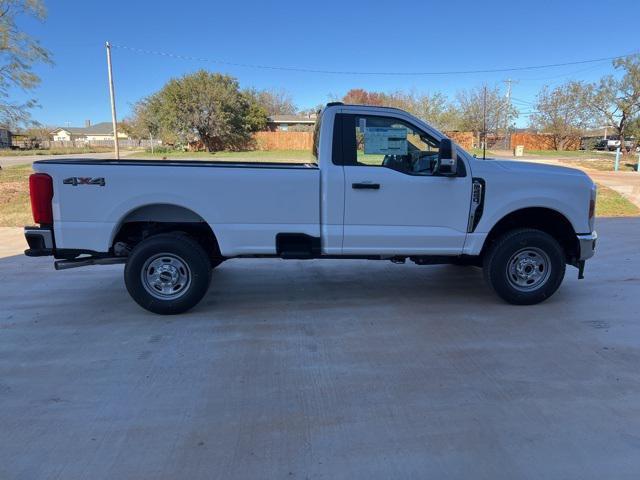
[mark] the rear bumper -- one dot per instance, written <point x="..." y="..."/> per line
<point x="587" y="245"/>
<point x="40" y="241"/>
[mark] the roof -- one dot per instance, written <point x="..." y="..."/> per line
<point x="291" y="119"/>
<point x="102" y="128"/>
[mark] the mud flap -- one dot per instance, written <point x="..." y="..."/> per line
<point x="580" y="269"/>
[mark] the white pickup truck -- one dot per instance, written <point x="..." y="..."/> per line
<point x="384" y="185"/>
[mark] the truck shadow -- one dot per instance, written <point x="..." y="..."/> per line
<point x="253" y="289"/>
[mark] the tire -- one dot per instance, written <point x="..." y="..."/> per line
<point x="167" y="273"/>
<point x="525" y="266"/>
<point x="216" y="262"/>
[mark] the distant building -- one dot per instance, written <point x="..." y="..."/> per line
<point x="5" y="138"/>
<point x="283" y="123"/>
<point x="90" y="133"/>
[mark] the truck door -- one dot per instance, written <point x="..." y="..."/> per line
<point x="394" y="204"/>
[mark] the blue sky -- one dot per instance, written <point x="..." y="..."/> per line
<point x="327" y="35"/>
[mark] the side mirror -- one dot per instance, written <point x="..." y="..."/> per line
<point x="447" y="158"/>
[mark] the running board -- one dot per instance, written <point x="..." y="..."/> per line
<point x="85" y="262"/>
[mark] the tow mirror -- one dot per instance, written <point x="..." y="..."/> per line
<point x="447" y="158"/>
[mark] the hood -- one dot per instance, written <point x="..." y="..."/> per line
<point x="518" y="166"/>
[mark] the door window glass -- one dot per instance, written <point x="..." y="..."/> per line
<point x="395" y="144"/>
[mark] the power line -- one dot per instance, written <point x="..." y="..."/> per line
<point x="346" y="72"/>
<point x="518" y="100"/>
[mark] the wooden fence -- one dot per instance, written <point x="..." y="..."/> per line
<point x="540" y="141"/>
<point x="304" y="140"/>
<point x="262" y="141"/>
<point x="283" y="140"/>
<point x="464" y="139"/>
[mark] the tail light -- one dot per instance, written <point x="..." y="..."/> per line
<point x="41" y="193"/>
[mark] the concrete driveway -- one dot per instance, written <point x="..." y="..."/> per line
<point x="322" y="369"/>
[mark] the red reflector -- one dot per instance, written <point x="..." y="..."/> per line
<point x="41" y="192"/>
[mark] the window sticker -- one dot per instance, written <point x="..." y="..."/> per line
<point x="385" y="140"/>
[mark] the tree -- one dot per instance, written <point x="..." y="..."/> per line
<point x="209" y="107"/>
<point x="561" y="113"/>
<point x="274" y="102"/>
<point x="499" y="113"/>
<point x="144" y="121"/>
<point x="359" y="96"/>
<point x="18" y="53"/>
<point x="312" y="111"/>
<point x="433" y="108"/>
<point x="617" y="100"/>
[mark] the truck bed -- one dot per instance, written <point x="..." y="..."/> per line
<point x="246" y="204"/>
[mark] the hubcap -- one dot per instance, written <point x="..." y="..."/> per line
<point x="528" y="269"/>
<point x="166" y="276"/>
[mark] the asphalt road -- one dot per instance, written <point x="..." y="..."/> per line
<point x="322" y="369"/>
<point x="6" y="161"/>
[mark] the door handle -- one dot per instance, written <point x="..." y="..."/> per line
<point x="365" y="186"/>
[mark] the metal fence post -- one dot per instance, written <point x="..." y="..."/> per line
<point x="617" y="164"/>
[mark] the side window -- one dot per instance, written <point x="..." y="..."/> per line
<point x="391" y="143"/>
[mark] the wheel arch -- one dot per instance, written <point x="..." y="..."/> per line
<point x="155" y="218"/>
<point x="546" y="219"/>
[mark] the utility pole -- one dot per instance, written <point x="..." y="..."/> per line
<point x="484" y="123"/>
<point x="508" y="81"/>
<point x="113" y="103"/>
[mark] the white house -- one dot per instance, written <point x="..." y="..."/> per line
<point x="91" y="133"/>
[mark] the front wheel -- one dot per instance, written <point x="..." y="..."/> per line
<point x="168" y="273"/>
<point x="525" y="266"/>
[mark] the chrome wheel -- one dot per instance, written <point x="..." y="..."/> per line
<point x="166" y="276"/>
<point x="528" y="269"/>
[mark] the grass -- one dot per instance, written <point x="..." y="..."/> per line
<point x="53" y="151"/>
<point x="15" y="209"/>
<point x="284" y="156"/>
<point x="628" y="164"/>
<point x="610" y="203"/>
<point x="564" y="154"/>
<point x="569" y="153"/>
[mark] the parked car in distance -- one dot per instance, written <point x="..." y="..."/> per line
<point x="613" y="143"/>
<point x="384" y="186"/>
<point x="602" y="144"/>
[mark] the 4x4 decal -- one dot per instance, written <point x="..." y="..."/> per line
<point x="75" y="181"/>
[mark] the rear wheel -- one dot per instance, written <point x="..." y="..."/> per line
<point x="168" y="273"/>
<point x="525" y="266"/>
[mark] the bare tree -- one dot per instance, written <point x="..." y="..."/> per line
<point x="562" y="113"/>
<point x="471" y="105"/>
<point x="434" y="108"/>
<point x="617" y="100"/>
<point x="274" y="102"/>
<point x="18" y="53"/>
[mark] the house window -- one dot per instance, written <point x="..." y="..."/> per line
<point x="284" y="127"/>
